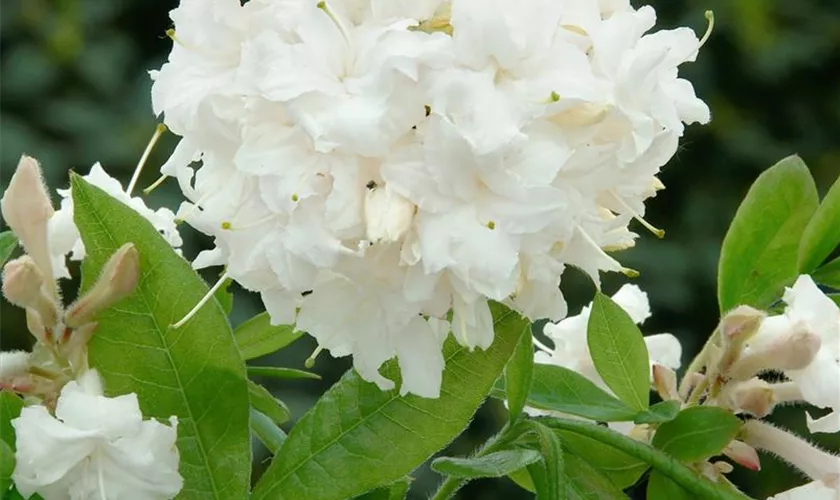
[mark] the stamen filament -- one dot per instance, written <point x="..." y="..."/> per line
<point x="310" y="361"/>
<point x="542" y="346"/>
<point x="215" y="288"/>
<point x="659" y="233"/>
<point x="335" y="19"/>
<point x="710" y="17"/>
<point x="159" y="130"/>
<point x="155" y="185"/>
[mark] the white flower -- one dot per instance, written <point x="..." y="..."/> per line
<point x="95" y="447"/>
<point x="815" y="490"/>
<point x="819" y="382"/>
<point x="572" y="351"/>
<point x="390" y="161"/>
<point x="64" y="236"/>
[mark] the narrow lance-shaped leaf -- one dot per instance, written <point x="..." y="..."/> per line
<point x="822" y="234"/>
<point x="497" y="464"/>
<point x="281" y="372"/>
<point x="357" y="437"/>
<point x="194" y="372"/>
<point x="562" y="390"/>
<point x="619" y="353"/>
<point x="760" y="251"/>
<point x="263" y="401"/>
<point x="519" y="373"/>
<point x="267" y="431"/>
<point x="394" y="491"/>
<point x="551" y="484"/>
<point x="258" y="337"/>
<point x="697" y="433"/>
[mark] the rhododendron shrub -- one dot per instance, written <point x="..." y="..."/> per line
<point x="408" y="183"/>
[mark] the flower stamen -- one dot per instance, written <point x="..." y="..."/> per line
<point x="159" y="130"/>
<point x="210" y="293"/>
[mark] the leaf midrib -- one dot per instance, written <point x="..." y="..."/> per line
<point x="364" y="419"/>
<point x="146" y="303"/>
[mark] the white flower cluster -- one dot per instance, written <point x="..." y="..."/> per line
<point x="368" y="165"/>
<point x="95" y="447"/>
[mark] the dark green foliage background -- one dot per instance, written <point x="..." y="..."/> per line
<point x="74" y="90"/>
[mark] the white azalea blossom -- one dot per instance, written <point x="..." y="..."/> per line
<point x="94" y="447"/>
<point x="64" y="237"/>
<point x="815" y="490"/>
<point x="819" y="382"/>
<point x="385" y="162"/>
<point x="571" y="349"/>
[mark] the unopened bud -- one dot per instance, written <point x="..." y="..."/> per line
<point x="36" y="327"/>
<point x="23" y="287"/>
<point x="75" y="348"/>
<point x="13" y="364"/>
<point x="743" y="454"/>
<point x="814" y="462"/>
<point x="665" y="381"/>
<point x="792" y="350"/>
<point x="27" y="208"/>
<point x="741" y="323"/>
<point x="118" y="280"/>
<point x="754" y="396"/>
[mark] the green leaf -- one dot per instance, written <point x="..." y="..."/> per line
<point x="267" y="431"/>
<point x="661" y="488"/>
<point x="258" y="337"/>
<point x="225" y="297"/>
<point x="519" y="373"/>
<point x="619" y="353"/>
<point x="7" y="466"/>
<point x="523" y="478"/>
<point x="194" y="372"/>
<point x="551" y="485"/>
<point x="281" y="372"/>
<point x="622" y="469"/>
<point x="760" y="251"/>
<point x="555" y="388"/>
<point x="697" y="433"/>
<point x="10" y="406"/>
<point x="264" y="402"/>
<point x="8" y="244"/>
<point x="582" y="481"/>
<point x="394" y="491"/>
<point x="358" y="437"/>
<point x="664" y="411"/>
<point x="822" y="234"/>
<point x="689" y="479"/>
<point x="500" y="463"/>
<point x="835" y="297"/>
<point x="829" y="274"/>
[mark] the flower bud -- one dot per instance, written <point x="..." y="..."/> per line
<point x="118" y="280"/>
<point x="814" y="462"/>
<point x="27" y="209"/>
<point x="74" y="349"/>
<point x="754" y="396"/>
<point x="743" y="454"/>
<point x="23" y="287"/>
<point x="387" y="215"/>
<point x="689" y="382"/>
<point x="736" y="328"/>
<point x="13" y="364"/>
<point x="665" y="381"/>
<point x="792" y="350"/>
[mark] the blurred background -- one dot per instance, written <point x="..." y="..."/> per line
<point x="74" y="90"/>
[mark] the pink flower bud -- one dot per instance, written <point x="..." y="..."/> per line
<point x="27" y="209"/>
<point x="754" y="396"/>
<point x="23" y="287"/>
<point x="743" y="454"/>
<point x="118" y="280"/>
<point x="665" y="381"/>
